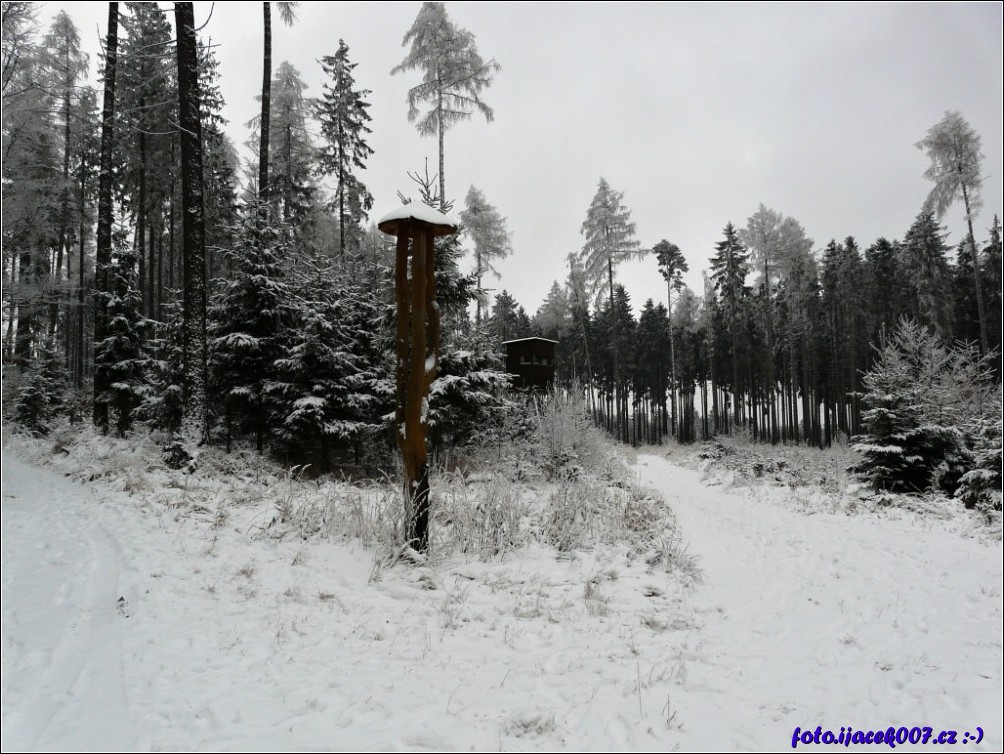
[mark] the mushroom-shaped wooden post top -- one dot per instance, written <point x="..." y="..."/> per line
<point x="422" y="215"/>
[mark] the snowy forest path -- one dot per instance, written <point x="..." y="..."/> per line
<point x="72" y="632"/>
<point x="829" y="619"/>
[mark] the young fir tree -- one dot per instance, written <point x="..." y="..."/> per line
<point x="918" y="395"/>
<point x="120" y="358"/>
<point x="161" y="406"/>
<point x="326" y="394"/>
<point x="980" y="486"/>
<point x="42" y="397"/>
<point x="250" y="316"/>
<point x="343" y="113"/>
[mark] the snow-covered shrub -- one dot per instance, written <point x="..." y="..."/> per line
<point x="923" y="399"/>
<point x="42" y="395"/>
<point x="486" y="517"/>
<point x="566" y="443"/>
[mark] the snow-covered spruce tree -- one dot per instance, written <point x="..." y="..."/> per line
<point x="161" y="407"/>
<point x="980" y="487"/>
<point x="42" y="396"/>
<point x="120" y="358"/>
<point x="342" y="112"/>
<point x="921" y="397"/>
<point x="249" y="316"/>
<point x="469" y="392"/>
<point x="325" y="394"/>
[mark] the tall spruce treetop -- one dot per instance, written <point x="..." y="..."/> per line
<point x="343" y="113"/>
<point x="954" y="149"/>
<point x="453" y="76"/>
<point x="928" y="275"/>
<point x="610" y="239"/>
<point x="729" y="267"/>
<point x="291" y="152"/>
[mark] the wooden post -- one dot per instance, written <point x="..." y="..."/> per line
<point x="417" y="350"/>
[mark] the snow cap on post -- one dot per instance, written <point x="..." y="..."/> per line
<point x="420" y="214"/>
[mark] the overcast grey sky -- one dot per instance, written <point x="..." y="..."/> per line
<point x="697" y="113"/>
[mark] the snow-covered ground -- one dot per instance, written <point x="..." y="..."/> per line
<point x="132" y="623"/>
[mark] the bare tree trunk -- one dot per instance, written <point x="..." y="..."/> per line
<point x="266" y="98"/>
<point x="442" y="159"/>
<point x="984" y="344"/>
<point x="104" y="232"/>
<point x="194" y="423"/>
<point x="64" y="209"/>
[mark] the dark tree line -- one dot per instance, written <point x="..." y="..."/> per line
<point x="777" y="342"/>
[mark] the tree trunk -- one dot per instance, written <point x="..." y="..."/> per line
<point x="78" y="372"/>
<point x="264" y="125"/>
<point x="984" y="344"/>
<point x="194" y="423"/>
<point x="442" y="159"/>
<point x="104" y="232"/>
<point x="64" y="210"/>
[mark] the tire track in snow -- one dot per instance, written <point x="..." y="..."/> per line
<point x="61" y="614"/>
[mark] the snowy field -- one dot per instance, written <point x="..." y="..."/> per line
<point x="131" y="622"/>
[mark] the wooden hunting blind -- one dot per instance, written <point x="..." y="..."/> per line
<point x="531" y="360"/>
<point x="416" y="227"/>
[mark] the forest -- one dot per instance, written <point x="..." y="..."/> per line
<point x="155" y="279"/>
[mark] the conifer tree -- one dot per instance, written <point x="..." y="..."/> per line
<point x="927" y="273"/>
<point x="343" y="113"/>
<point x="102" y="278"/>
<point x="920" y="396"/>
<point x="42" y="396"/>
<point x="292" y="154"/>
<point x="487" y="229"/>
<point x="120" y="359"/>
<point x="672" y="265"/>
<point x="953" y="147"/>
<point x="729" y="268"/>
<point x="250" y="316"/>
<point x="610" y="240"/>
<point x="194" y="292"/>
<point x="453" y="77"/>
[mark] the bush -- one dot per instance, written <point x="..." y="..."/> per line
<point x="565" y="442"/>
